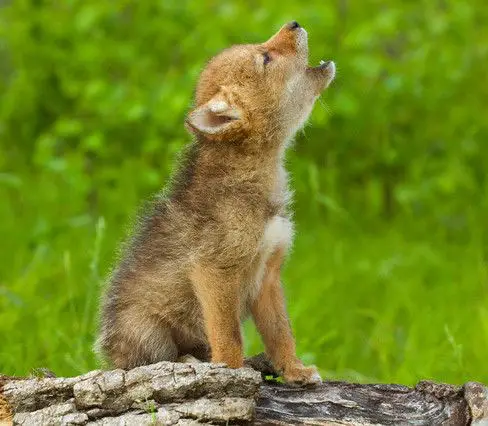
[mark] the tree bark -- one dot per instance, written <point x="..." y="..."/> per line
<point x="186" y="394"/>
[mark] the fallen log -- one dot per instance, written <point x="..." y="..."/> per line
<point x="188" y="394"/>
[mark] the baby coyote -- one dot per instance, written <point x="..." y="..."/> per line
<point x="209" y="252"/>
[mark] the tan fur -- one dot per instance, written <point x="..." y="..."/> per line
<point x="6" y="414"/>
<point x="209" y="252"/>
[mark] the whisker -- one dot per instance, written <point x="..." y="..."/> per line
<point x="324" y="105"/>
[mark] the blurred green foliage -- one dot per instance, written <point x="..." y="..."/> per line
<point x="390" y="175"/>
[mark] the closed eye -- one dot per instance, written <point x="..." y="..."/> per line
<point x="266" y="58"/>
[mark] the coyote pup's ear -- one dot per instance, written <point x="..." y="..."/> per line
<point x="215" y="117"/>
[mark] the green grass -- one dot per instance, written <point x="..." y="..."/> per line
<point x="91" y="116"/>
<point x="367" y="304"/>
<point x="386" y="307"/>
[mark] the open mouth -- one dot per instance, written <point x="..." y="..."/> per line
<point x="323" y="74"/>
<point x="326" y="66"/>
<point x="326" y="69"/>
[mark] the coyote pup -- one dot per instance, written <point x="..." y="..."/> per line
<point x="209" y="252"/>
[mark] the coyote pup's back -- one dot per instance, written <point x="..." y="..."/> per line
<point x="209" y="253"/>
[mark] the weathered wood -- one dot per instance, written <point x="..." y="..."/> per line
<point x="185" y="394"/>
<point x="172" y="392"/>
<point x="351" y="404"/>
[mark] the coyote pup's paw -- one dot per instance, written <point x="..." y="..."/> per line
<point x="298" y="374"/>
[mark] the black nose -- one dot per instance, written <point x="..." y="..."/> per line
<point x="293" y="25"/>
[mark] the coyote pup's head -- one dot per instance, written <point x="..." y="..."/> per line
<point x="259" y="90"/>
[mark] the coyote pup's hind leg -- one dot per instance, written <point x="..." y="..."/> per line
<point x="140" y="341"/>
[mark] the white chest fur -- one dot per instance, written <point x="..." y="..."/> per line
<point x="278" y="233"/>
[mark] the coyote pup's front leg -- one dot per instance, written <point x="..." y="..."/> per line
<point x="218" y="294"/>
<point x="271" y="319"/>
